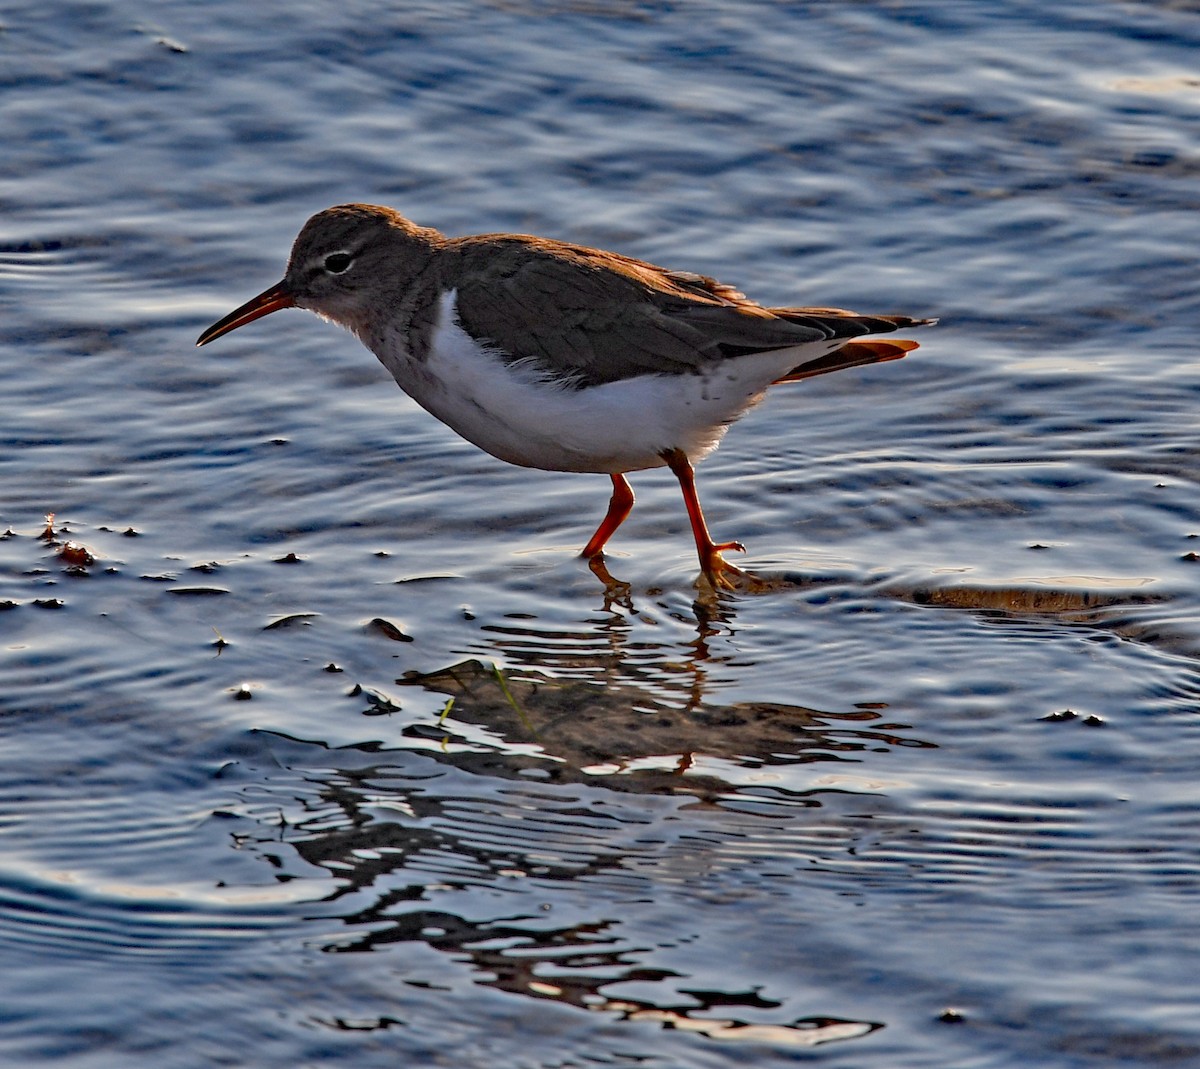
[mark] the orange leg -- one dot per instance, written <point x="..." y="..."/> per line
<point x="715" y="567"/>
<point x="619" y="506"/>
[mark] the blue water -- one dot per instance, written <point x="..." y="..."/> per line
<point x="336" y="752"/>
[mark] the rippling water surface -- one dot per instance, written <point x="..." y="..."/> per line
<point x="335" y="752"/>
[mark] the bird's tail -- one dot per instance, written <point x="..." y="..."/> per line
<point x="852" y="354"/>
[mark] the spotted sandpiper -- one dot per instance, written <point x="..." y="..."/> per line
<point x="559" y="356"/>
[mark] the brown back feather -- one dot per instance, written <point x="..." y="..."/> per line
<point x="606" y="317"/>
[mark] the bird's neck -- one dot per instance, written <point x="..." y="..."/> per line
<point x="408" y="273"/>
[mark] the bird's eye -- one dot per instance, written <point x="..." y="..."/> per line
<point x="338" y="262"/>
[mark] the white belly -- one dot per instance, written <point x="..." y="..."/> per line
<point x="511" y="411"/>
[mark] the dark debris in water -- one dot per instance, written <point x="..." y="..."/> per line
<point x="291" y="620"/>
<point x="378" y="703"/>
<point x="76" y="555"/>
<point x="1064" y="716"/>
<point x="1060" y="717"/>
<point x="388" y="630"/>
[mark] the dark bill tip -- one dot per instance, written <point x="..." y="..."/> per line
<point x="264" y="304"/>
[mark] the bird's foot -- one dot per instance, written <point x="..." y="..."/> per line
<point x="722" y="575"/>
<point x="719" y="576"/>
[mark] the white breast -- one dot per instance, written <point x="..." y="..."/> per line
<point x="513" y="411"/>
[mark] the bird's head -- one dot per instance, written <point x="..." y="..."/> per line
<point x="348" y="264"/>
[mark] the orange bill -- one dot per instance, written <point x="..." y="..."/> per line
<point x="264" y="304"/>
